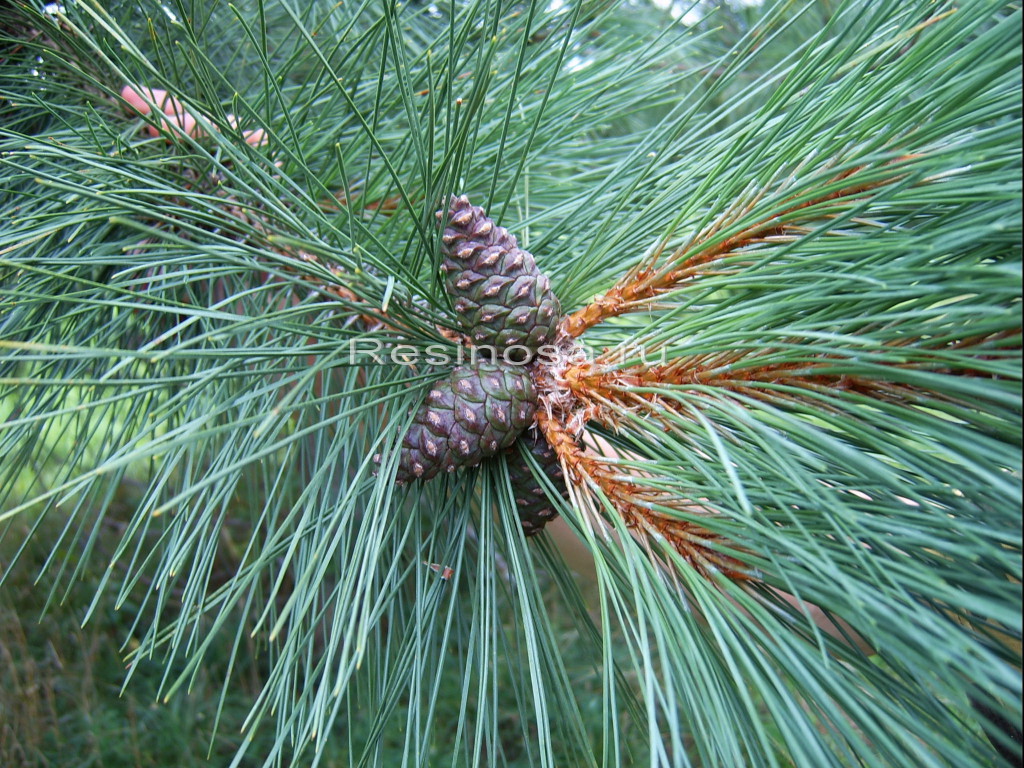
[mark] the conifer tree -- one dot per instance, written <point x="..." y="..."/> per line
<point x="261" y="267"/>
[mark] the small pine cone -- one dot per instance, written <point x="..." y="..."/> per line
<point x="502" y="299"/>
<point x="477" y="412"/>
<point x="535" y="510"/>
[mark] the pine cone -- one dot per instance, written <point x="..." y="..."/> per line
<point x="502" y="299"/>
<point x="535" y="510"/>
<point x="477" y="412"/>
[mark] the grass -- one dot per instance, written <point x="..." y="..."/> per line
<point x="61" y="702"/>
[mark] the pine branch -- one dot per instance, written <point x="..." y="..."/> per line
<point x="639" y="506"/>
<point x="603" y="381"/>
<point x="716" y="248"/>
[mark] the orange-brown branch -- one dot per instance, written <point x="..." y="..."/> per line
<point x="640" y="506"/>
<point x="343" y="198"/>
<point x="642" y="285"/>
<point x="605" y="392"/>
<point x="590" y="383"/>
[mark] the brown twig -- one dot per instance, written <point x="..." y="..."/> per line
<point x="591" y="382"/>
<point x="344" y="198"/>
<point x="641" y="286"/>
<point x="641" y="507"/>
<point x="596" y="384"/>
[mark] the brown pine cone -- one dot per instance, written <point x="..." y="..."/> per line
<point x="501" y="298"/>
<point x="474" y="413"/>
<point x="534" y="507"/>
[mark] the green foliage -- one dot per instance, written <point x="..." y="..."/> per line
<point x="177" y="314"/>
<point x="62" y="704"/>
